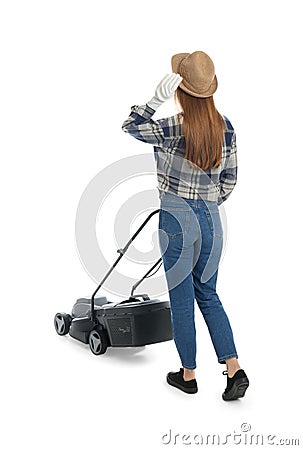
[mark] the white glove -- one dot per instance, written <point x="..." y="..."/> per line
<point x="165" y="90"/>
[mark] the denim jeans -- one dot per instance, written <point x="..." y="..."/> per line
<point x="190" y="238"/>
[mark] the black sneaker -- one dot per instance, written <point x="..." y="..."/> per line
<point x="176" y="379"/>
<point x="236" y="385"/>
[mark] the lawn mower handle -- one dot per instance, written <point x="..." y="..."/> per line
<point x="121" y="252"/>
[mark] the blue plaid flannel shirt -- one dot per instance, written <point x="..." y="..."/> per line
<point x="174" y="172"/>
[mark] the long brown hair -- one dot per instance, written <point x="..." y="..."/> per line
<point x="203" y="128"/>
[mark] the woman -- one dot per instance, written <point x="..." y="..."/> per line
<point x="196" y="155"/>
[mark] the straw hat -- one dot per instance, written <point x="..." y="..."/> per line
<point x="198" y="73"/>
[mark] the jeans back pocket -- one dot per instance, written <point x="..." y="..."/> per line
<point x="214" y="222"/>
<point x="174" y="220"/>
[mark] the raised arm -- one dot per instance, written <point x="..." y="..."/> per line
<point x="140" y="124"/>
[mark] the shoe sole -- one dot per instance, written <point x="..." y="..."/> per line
<point x="237" y="391"/>
<point x="182" y="388"/>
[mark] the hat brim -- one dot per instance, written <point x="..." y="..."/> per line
<point x="210" y="91"/>
<point x="175" y="64"/>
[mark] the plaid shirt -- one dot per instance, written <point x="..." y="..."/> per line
<point x="174" y="172"/>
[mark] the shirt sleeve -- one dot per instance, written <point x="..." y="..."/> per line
<point x="228" y="176"/>
<point x="141" y="126"/>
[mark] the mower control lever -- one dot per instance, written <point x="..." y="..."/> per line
<point x="133" y="298"/>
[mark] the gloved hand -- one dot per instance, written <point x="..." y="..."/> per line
<point x="165" y="90"/>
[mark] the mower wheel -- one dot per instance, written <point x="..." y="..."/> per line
<point x="98" y="341"/>
<point x="62" y="323"/>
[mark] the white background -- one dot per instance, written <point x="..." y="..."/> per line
<point x="70" y="70"/>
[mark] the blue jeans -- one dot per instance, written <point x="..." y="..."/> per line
<point x="190" y="238"/>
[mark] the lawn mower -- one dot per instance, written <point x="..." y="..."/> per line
<point x="133" y="322"/>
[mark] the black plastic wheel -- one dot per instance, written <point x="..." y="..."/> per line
<point x="98" y="341"/>
<point x="62" y="323"/>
